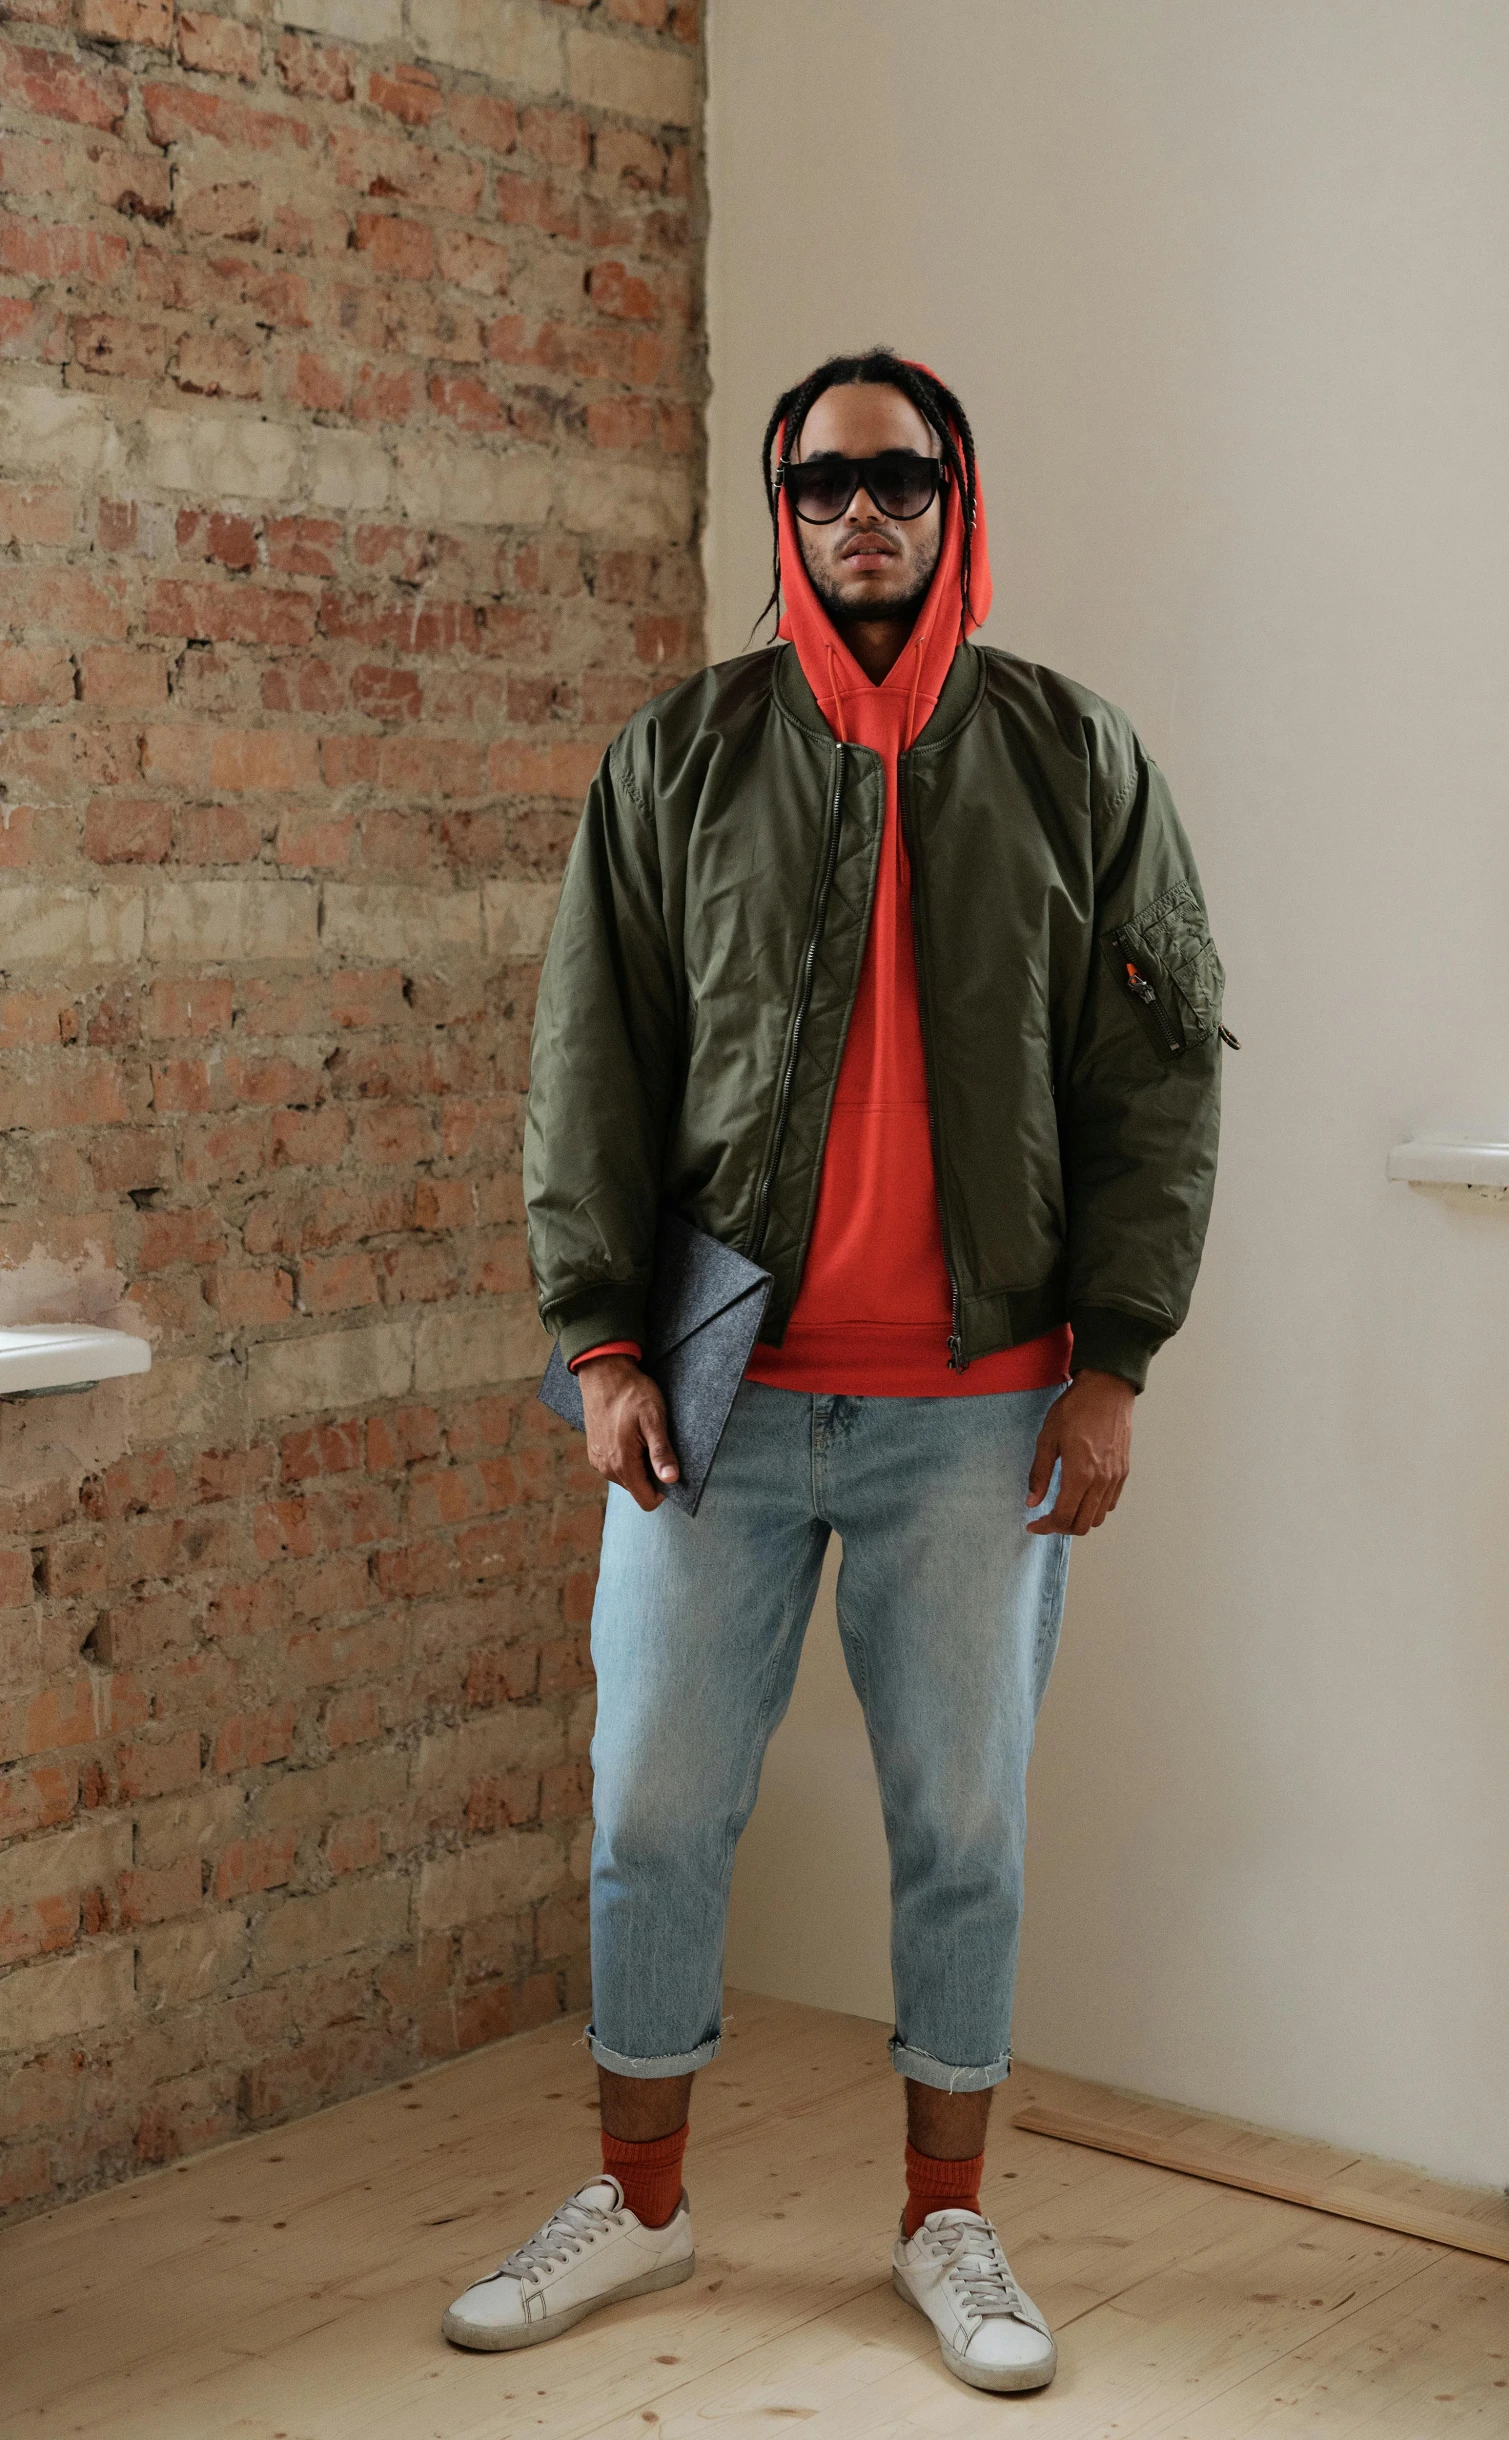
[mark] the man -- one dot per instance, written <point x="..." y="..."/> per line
<point x="883" y="959"/>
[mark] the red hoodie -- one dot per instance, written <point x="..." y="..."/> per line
<point x="875" y="1308"/>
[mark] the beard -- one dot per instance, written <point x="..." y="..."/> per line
<point x="854" y="614"/>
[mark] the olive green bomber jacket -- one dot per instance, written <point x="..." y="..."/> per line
<point x="705" y="959"/>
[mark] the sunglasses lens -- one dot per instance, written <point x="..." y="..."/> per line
<point x="903" y="487"/>
<point x="822" y="491"/>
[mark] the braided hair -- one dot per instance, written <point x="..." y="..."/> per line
<point x="935" y="403"/>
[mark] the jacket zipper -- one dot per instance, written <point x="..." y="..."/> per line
<point x="957" y="1360"/>
<point x="804" y="996"/>
<point x="1141" y="989"/>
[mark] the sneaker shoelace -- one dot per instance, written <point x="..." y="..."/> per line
<point x="567" y="2231"/>
<point x="979" y="2275"/>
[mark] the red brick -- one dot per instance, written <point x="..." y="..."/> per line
<point x="189" y="1009"/>
<point x="37" y="512"/>
<point x="316" y="69"/>
<point x="252" y="1739"/>
<point x="260" y="1293"/>
<point x="181" y="1236"/>
<point x="219" y="834"/>
<point x="157" y="1769"/>
<point x="37" y="1798"/>
<point x="616" y="290"/>
<point x="479" y="264"/>
<point x="143" y="21"/>
<point x="218" y="46"/>
<point x="302" y="546"/>
<point x="108" y="343"/>
<point x="175" y="112"/>
<point x="252" y="1864"/>
<point x="400" y="249"/>
<point x="484" y="119"/>
<point x="410" y="94"/>
<point x="212" y="365"/>
<point x="48" y="83"/>
<point x="46" y="250"/>
<point x="123" y="678"/>
<point x="31" y="1020"/>
<point x="353" y="1718"/>
<point x="216" y="534"/>
<point x="43" y="675"/>
<point x="149" y="1895"/>
<point x="68" y="600"/>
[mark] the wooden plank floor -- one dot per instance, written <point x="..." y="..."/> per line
<point x="289" y="2287"/>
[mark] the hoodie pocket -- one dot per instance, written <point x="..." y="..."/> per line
<point x="1165" y="961"/>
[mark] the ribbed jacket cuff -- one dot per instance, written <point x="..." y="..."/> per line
<point x="596" y="1317"/>
<point x="1107" y="1340"/>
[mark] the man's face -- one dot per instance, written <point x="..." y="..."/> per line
<point x="866" y="566"/>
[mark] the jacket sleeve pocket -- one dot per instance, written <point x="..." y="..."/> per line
<point x="1164" y="959"/>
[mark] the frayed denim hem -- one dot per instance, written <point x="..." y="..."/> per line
<point x="677" y="2063"/>
<point x="924" y="2069"/>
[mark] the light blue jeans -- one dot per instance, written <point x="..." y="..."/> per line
<point x="949" y="1612"/>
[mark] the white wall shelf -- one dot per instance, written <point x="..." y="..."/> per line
<point x="1451" y="1161"/>
<point x="38" y="1357"/>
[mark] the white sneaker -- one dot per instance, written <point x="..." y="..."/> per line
<point x="591" y="2252"/>
<point x="954" y="2271"/>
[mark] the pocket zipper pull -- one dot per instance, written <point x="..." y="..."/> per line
<point x="1141" y="989"/>
<point x="1228" y="1037"/>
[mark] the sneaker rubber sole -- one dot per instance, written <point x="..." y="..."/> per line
<point x="999" y="2378"/>
<point x="534" y="2333"/>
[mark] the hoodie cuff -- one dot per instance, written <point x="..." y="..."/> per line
<point x="596" y="1318"/>
<point x="613" y="1347"/>
<point x="1107" y="1340"/>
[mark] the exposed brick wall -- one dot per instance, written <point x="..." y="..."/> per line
<point x="350" y="448"/>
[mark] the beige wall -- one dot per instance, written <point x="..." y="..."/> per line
<point x="1222" y="286"/>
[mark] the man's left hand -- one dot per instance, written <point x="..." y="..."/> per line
<point x="1089" y="1429"/>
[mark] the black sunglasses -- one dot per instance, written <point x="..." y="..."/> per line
<point x="901" y="484"/>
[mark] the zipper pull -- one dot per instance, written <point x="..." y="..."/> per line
<point x="1141" y="989"/>
<point x="956" y="1358"/>
<point x="1228" y="1037"/>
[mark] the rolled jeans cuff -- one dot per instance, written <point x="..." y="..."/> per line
<point x="678" y="2063"/>
<point x="923" y="2068"/>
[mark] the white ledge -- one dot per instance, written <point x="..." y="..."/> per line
<point x="66" y="1355"/>
<point x="1444" y="1161"/>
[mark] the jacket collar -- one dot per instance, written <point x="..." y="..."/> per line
<point x="957" y="703"/>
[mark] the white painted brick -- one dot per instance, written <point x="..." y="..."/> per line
<point x="517" y="916"/>
<point x="498" y="1876"/>
<point x="609" y="74"/>
<point x="336" y="1368"/>
<point x="96" y="927"/>
<point x="443" y="482"/>
<point x="512" y="40"/>
<point x="348" y="20"/>
<point x="634" y="503"/>
<point x="199" y="1398"/>
<point x="86" y="1857"/>
<point x="66" y="1995"/>
<point x="219" y="456"/>
<point x="53" y="431"/>
<point x="186" y="1961"/>
<point x="353" y="1915"/>
<point x="233" y="922"/>
<point x="472" y="1346"/>
<point x="515" y="1737"/>
<point x="390" y="925"/>
<point x="346" y="470"/>
<point x="353" y="1783"/>
<point x="203" y="1817"/>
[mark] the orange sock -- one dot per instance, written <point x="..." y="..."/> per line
<point x="649" y="2173"/>
<point x="939" y="2185"/>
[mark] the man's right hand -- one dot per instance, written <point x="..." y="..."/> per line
<point x="627" y="1438"/>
